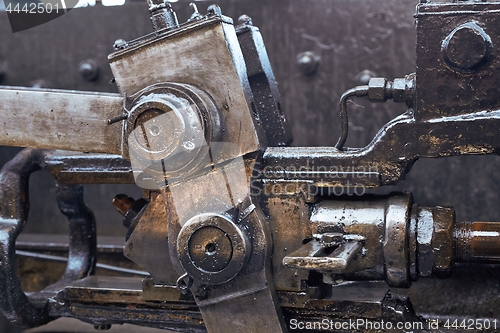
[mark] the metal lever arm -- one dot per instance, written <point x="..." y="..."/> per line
<point x="59" y="119"/>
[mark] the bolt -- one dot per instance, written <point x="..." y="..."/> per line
<point x="364" y="77"/>
<point x="214" y="10"/>
<point x="123" y="203"/>
<point x="120" y="44"/>
<point x="332" y="239"/>
<point x="308" y="62"/>
<point x="245" y="19"/>
<point x="88" y="70"/>
<point x="466" y="48"/>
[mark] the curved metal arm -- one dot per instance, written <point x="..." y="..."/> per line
<point x="82" y="245"/>
<point x="14" y="207"/>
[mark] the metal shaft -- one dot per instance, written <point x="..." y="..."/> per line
<point x="477" y="242"/>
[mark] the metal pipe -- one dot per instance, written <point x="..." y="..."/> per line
<point x="359" y="91"/>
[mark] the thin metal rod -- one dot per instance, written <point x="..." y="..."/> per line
<point x="359" y="91"/>
<point x="64" y="259"/>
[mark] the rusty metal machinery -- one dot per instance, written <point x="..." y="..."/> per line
<point x="238" y="231"/>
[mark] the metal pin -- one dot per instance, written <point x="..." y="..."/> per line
<point x="117" y="119"/>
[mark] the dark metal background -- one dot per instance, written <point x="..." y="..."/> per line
<point x="349" y="36"/>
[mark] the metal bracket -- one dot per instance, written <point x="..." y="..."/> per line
<point x="318" y="255"/>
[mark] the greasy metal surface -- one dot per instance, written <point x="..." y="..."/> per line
<point x="15" y="305"/>
<point x="287" y="216"/>
<point x="313" y="255"/>
<point x="366" y="218"/>
<point x="391" y="154"/>
<point x="377" y="90"/>
<point x="448" y="83"/>
<point x="82" y="250"/>
<point x="147" y="245"/>
<point x="60" y="120"/>
<point x="85" y="168"/>
<point x="365" y="301"/>
<point x="444" y="227"/>
<point x="347" y="296"/>
<point x="168" y="130"/>
<point x="396" y="245"/>
<point x="250" y="294"/>
<point x="109" y="292"/>
<point x="14" y="210"/>
<point x="267" y="100"/>
<point x="390" y="76"/>
<point x="211" y="60"/>
<point x="212" y="248"/>
<point x="350" y="36"/>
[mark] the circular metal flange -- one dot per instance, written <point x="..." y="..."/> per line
<point x="397" y="218"/>
<point x="169" y="129"/>
<point x="211" y="248"/>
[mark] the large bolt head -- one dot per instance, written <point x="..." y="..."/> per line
<point x="466" y="48"/>
<point x="435" y="241"/>
<point x="212" y="248"/>
<point x="442" y="241"/>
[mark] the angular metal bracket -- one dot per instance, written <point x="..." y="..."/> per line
<point x="317" y="255"/>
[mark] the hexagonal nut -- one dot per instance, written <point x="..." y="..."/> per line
<point x="442" y="241"/>
<point x="425" y="232"/>
<point x="376" y="89"/>
<point x="399" y="91"/>
<point x="332" y="238"/>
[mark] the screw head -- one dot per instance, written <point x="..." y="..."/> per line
<point x="245" y="19"/>
<point x="308" y="62"/>
<point x="89" y="70"/>
<point x="364" y="77"/>
<point x="120" y="44"/>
